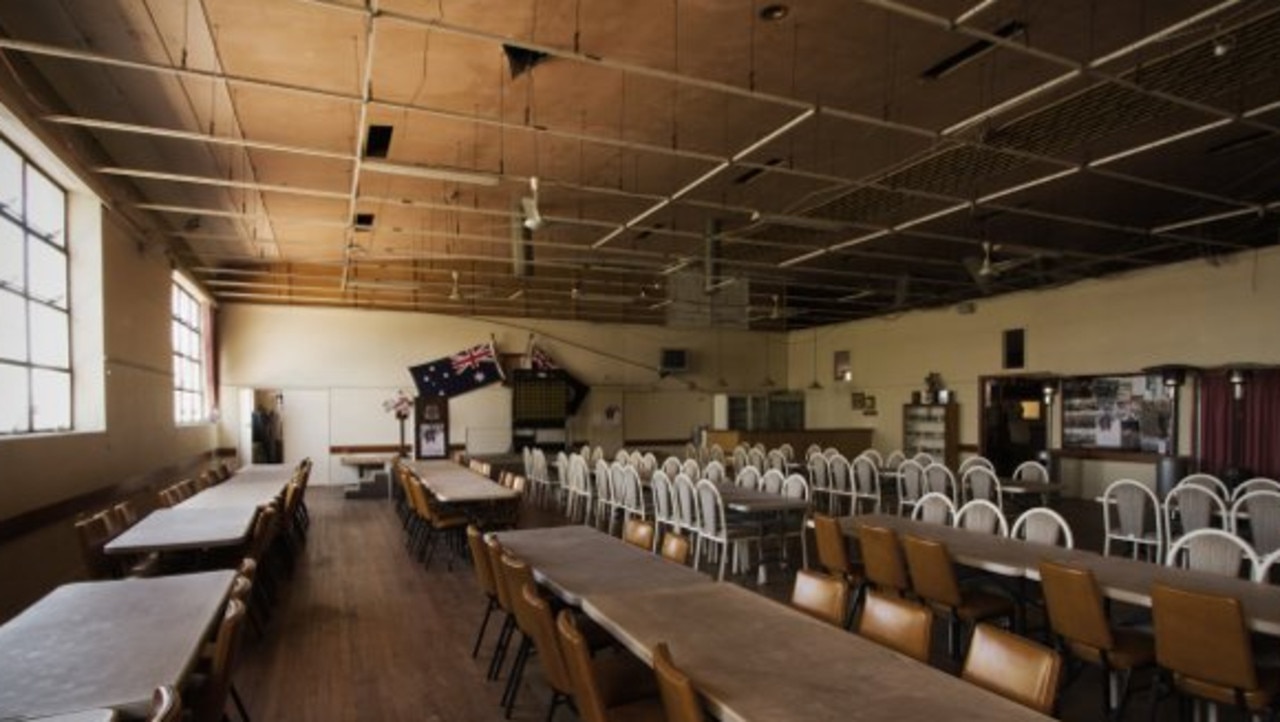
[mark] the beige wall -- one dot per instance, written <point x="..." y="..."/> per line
<point x="357" y="354"/>
<point x="140" y="436"/>
<point x="1193" y="313"/>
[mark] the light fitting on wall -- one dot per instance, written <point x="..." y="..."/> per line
<point x="815" y="386"/>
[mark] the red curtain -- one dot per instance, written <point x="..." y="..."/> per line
<point x="1259" y="426"/>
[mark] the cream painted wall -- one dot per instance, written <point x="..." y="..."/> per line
<point x="1193" y="313"/>
<point x="348" y="352"/>
<point x="140" y="436"/>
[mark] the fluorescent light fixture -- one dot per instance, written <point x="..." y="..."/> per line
<point x="1011" y="102"/>
<point x="405" y="286"/>
<point x="861" y="239"/>
<point x="1204" y="220"/>
<point x="803" y="222"/>
<point x="1163" y="141"/>
<point x="421" y="171"/>
<point x="857" y="295"/>
<point x="1025" y="186"/>
<point x="802" y="258"/>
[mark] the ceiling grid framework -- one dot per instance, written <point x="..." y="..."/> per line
<point x="843" y="174"/>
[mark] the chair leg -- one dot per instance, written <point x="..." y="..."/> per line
<point x="500" y="649"/>
<point x="517" y="672"/>
<point x="490" y="605"/>
<point x="235" y="697"/>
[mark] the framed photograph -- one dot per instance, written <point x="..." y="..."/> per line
<point x="843" y="366"/>
<point x="431" y="427"/>
<point x="871" y="403"/>
<point x="859" y="400"/>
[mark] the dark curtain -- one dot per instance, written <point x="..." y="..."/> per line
<point x="1259" y="429"/>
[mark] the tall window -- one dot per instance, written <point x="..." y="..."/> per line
<point x="188" y="357"/>
<point x="35" y="304"/>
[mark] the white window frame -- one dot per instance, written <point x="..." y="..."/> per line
<point x="188" y="317"/>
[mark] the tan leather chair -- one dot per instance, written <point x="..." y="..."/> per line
<point x="638" y="533"/>
<point x="1013" y="667"/>
<point x="93" y="533"/>
<point x="166" y="705"/>
<point x="211" y="699"/>
<point x="675" y="548"/>
<point x="933" y="577"/>
<point x="606" y="689"/>
<point x="821" y="596"/>
<point x="1203" y="641"/>
<point x="1077" y="616"/>
<point x="515" y="575"/>
<point x="882" y="560"/>
<point x="542" y="627"/>
<point x="833" y="555"/>
<point x="484" y="577"/>
<point x="903" y="626"/>
<point x="494" y="550"/>
<point x="679" y="698"/>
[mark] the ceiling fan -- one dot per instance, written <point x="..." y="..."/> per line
<point x="985" y="269"/>
<point x="456" y="295"/>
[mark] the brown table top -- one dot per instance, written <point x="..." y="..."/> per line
<point x="106" y="644"/>
<point x="454" y="484"/>
<point x="1120" y="578"/>
<point x="755" y="659"/>
<point x="576" y="561"/>
<point x="88" y="715"/>
<point x="185" y="528"/>
<point x="754" y="501"/>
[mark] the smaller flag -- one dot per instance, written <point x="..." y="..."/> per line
<point x="467" y="370"/>
<point x="540" y="360"/>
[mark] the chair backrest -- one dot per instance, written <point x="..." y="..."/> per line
<point x="1203" y="636"/>
<point x="166" y="705"/>
<point x="1135" y="505"/>
<point x="755" y="457"/>
<point x="582" y="674"/>
<point x="1215" y="551"/>
<point x="1190" y="507"/>
<point x="910" y="480"/>
<point x="1265" y="566"/>
<point x="934" y="508"/>
<point x="1013" y="667"/>
<point x="811" y="450"/>
<point x="716" y="454"/>
<point x="866" y="476"/>
<point x="679" y="699"/>
<point x="633" y="490"/>
<point x="710" y="510"/>
<point x="882" y="558"/>
<point x="840" y="472"/>
<point x="894" y="459"/>
<point x="1262" y="507"/>
<point x="771" y="482"/>
<point x="671" y="466"/>
<point x="1257" y="483"/>
<point x="226" y="645"/>
<point x="503" y="594"/>
<point x="514" y="574"/>
<point x="675" y="548"/>
<point x="821" y="596"/>
<point x="795" y="487"/>
<point x="922" y="459"/>
<point x="714" y="470"/>
<point x="819" y="472"/>
<point x="1207" y="481"/>
<point x="938" y="478"/>
<point x="660" y="486"/>
<point x="971" y="462"/>
<point x="1031" y="471"/>
<point x="93" y="534"/>
<point x="1042" y="525"/>
<point x="980" y="482"/>
<point x="684" y="501"/>
<point x="1075" y="607"/>
<point x="638" y="533"/>
<point x="933" y="575"/>
<point x="748" y="478"/>
<point x="480" y="560"/>
<point x="603" y="481"/>
<point x="541" y="628"/>
<point x="982" y="516"/>
<point x="775" y="459"/>
<point x="833" y="553"/>
<point x="903" y="626"/>
<point x="692" y="469"/>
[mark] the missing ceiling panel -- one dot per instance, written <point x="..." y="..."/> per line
<point x="691" y="305"/>
<point x="364" y="221"/>
<point x="972" y="52"/>
<point x="753" y="173"/>
<point x="377" y="141"/>
<point x="522" y="60"/>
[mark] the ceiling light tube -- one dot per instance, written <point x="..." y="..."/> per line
<point x="442" y="174"/>
<point x="931" y="216"/>
<point x="802" y="258"/>
<point x="860" y="240"/>
<point x="1024" y="186"/>
<point x="1157" y="143"/>
<point x="1203" y="220"/>
<point x="802" y="222"/>
<point x="1011" y="102"/>
<point x="1162" y="33"/>
<point x="969" y="14"/>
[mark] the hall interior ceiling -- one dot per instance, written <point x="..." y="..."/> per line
<point x="568" y="158"/>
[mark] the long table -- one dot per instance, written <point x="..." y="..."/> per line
<point x="251" y="487"/>
<point x="755" y="659"/>
<point x="576" y="561"/>
<point x="108" y="644"/>
<point x="1119" y="578"/>
<point x="183" y="528"/>
<point x="455" y="484"/>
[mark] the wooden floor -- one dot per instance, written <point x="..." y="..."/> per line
<point x="362" y="632"/>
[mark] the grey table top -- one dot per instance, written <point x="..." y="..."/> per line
<point x="754" y="501"/>
<point x="106" y="644"/>
<point x="88" y="715"/>
<point x="454" y="484"/>
<point x="250" y="487"/>
<point x="577" y="561"/>
<point x="185" y="528"/>
<point x="755" y="659"/>
<point x="1120" y="578"/>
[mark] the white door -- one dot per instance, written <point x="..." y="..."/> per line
<point x="304" y="414"/>
<point x="244" y="429"/>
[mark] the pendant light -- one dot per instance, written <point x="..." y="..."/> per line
<point x="815" y="386"/>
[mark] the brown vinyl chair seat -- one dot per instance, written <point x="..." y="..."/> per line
<point x="933" y="578"/>
<point x="607" y="688"/>
<point x="821" y="596"/>
<point x="902" y="625"/>
<point x="679" y="698"/>
<point x="1262" y="698"/>
<point x="882" y="560"/>
<point x="1132" y="648"/>
<point x="833" y="554"/>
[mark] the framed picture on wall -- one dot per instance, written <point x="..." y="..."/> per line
<point x="431" y="427"/>
<point x="843" y="366"/>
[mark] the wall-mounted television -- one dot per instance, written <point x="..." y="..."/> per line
<point x="674" y="360"/>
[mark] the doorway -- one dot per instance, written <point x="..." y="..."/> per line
<point x="1014" y="423"/>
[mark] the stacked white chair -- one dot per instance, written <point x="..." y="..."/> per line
<point x="1042" y="525"/>
<point x="840" y="493"/>
<point x="982" y="516"/>
<point x="865" y="472"/>
<point x="910" y="485"/>
<point x="1215" y="551"/>
<point x="1131" y="515"/>
<point x="934" y="508"/>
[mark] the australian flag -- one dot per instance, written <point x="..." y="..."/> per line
<point x="540" y="360"/>
<point x="464" y="371"/>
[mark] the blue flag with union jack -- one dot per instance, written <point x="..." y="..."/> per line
<point x="464" y="371"/>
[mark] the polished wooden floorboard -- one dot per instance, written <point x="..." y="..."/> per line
<point x="363" y="632"/>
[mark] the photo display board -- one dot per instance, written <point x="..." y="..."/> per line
<point x="1131" y="413"/>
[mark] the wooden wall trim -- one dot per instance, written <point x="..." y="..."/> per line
<point x="1137" y="457"/>
<point x="67" y="509"/>
<point x="366" y="449"/>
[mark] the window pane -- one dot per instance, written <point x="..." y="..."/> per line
<point x="12" y="255"/>
<point x="10" y="185"/>
<point x="50" y="345"/>
<point x="48" y="273"/>
<point x="13" y="399"/>
<point x="13" y="328"/>
<point x="51" y="397"/>
<point x="46" y="207"/>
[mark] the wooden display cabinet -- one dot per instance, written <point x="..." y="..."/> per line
<point x="933" y="429"/>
